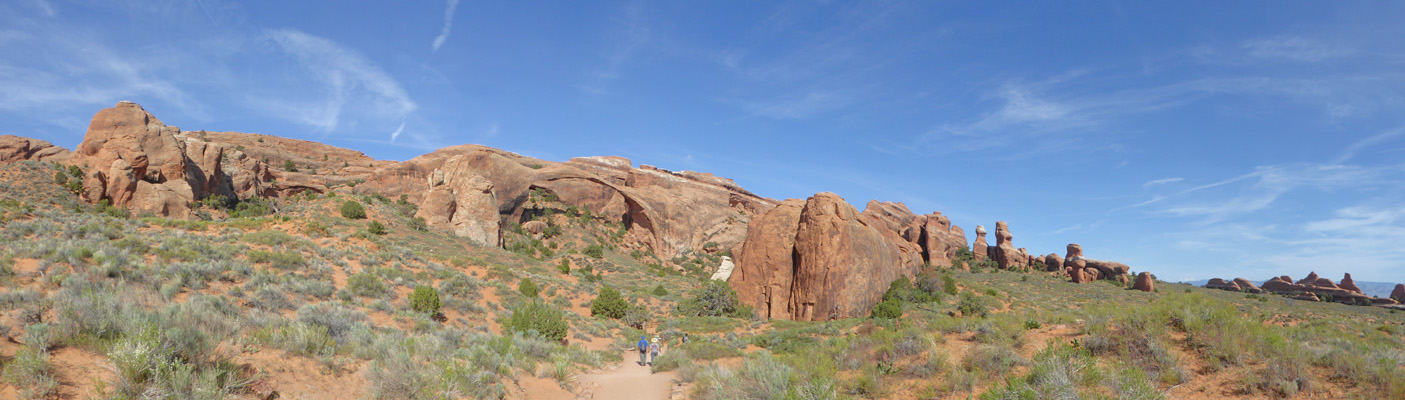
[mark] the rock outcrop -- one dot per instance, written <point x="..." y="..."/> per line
<point x="133" y="160"/>
<point x="1236" y="285"/>
<point x="1399" y="293"/>
<point x="461" y="202"/>
<point x="940" y="240"/>
<point x="1144" y="282"/>
<point x="1053" y="262"/>
<point x="1004" y="253"/>
<point x="1082" y="269"/>
<point x="837" y="265"/>
<point x="1349" y="285"/>
<point x="1318" y="287"/>
<point x="980" y="249"/>
<point x="15" y="149"/>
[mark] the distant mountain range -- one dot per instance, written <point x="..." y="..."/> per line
<point x="1378" y="289"/>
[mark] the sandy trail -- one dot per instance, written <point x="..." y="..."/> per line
<point x="629" y="381"/>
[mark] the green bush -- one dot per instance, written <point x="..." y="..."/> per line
<point x="714" y="298"/>
<point x="366" y="284"/>
<point x="527" y="287"/>
<point x="891" y="308"/>
<point x="60" y="178"/>
<point x="949" y="285"/>
<point x="417" y="223"/>
<point x="594" y="251"/>
<point x="609" y="304"/>
<point x="376" y="228"/>
<point x="277" y="259"/>
<point x="660" y="291"/>
<point x="636" y="316"/>
<point x="564" y="267"/>
<point x="353" y="210"/>
<point x="540" y="317"/>
<point x="425" y="300"/>
<point x="970" y="305"/>
<point x="251" y="208"/>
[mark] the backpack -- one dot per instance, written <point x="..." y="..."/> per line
<point x="643" y="345"/>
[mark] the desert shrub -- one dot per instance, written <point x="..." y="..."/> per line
<point x="269" y="238"/>
<point x="376" y="228"/>
<point x="38" y="336"/>
<point x="278" y="259"/>
<point x="289" y="166"/>
<point x="949" y="284"/>
<point x="636" y="316"/>
<point x="418" y="223"/>
<point x="889" y="308"/>
<point x="366" y="284"/>
<point x="30" y="372"/>
<point x="425" y="300"/>
<point x="540" y="317"/>
<point x="527" y="287"/>
<point x="594" y="251"/>
<point x="252" y="208"/>
<point x="714" y="298"/>
<point x="335" y="319"/>
<point x="609" y="304"/>
<point x="564" y="267"/>
<point x="351" y="209"/>
<point x="660" y="291"/>
<point x="972" y="305"/>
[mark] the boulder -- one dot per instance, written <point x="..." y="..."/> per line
<point x="534" y="228"/>
<point x="1349" y="285"/>
<point x="462" y="203"/>
<point x="1053" y="262"/>
<point x="14" y="149"/>
<point x="1247" y="286"/>
<point x="1398" y="293"/>
<point x="1144" y="282"/>
<point x="1217" y="283"/>
<point x="724" y="270"/>
<point x="980" y="249"/>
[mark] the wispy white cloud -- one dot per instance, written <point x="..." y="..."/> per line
<point x="1266" y="185"/>
<point x="346" y="78"/>
<point x="1295" y="48"/>
<point x="1373" y="141"/>
<point x="448" y="23"/>
<point x="1162" y="181"/>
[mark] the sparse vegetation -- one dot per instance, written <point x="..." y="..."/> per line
<point x="351" y="209"/>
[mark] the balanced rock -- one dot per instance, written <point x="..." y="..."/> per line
<point x="980" y="249"/>
<point x="1004" y="253"/>
<point x="461" y="202"/>
<point x="1144" y="282"/>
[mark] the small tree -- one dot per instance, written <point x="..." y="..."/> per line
<point x="715" y="298"/>
<point x="425" y="300"/>
<point x="417" y="223"/>
<point x="565" y="266"/>
<point x="889" y="308"/>
<point x="527" y="288"/>
<point x="609" y="304"/>
<point x="636" y="317"/>
<point x="376" y="227"/>
<point x="660" y="291"/>
<point x="594" y="251"/>
<point x="289" y="166"/>
<point x="353" y="210"/>
<point x="540" y="317"/>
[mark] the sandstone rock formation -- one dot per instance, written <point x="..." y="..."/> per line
<point x="134" y="160"/>
<point x="1349" y="285"/>
<point x="1082" y="269"/>
<point x="534" y="228"/>
<point x="980" y="249"/>
<point x="1399" y="293"/>
<point x="1144" y="282"/>
<point x="1236" y="285"/>
<point x="1004" y="253"/>
<point x="1316" y="286"/>
<point x="1247" y="286"/>
<point x="462" y="203"/>
<point x="939" y="239"/>
<point x="15" y="149"/>
<point x="766" y="265"/>
<point x="837" y="265"/>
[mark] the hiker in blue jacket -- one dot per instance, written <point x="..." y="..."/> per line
<point x="643" y="350"/>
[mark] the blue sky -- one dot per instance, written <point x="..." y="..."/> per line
<point x="1190" y="139"/>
